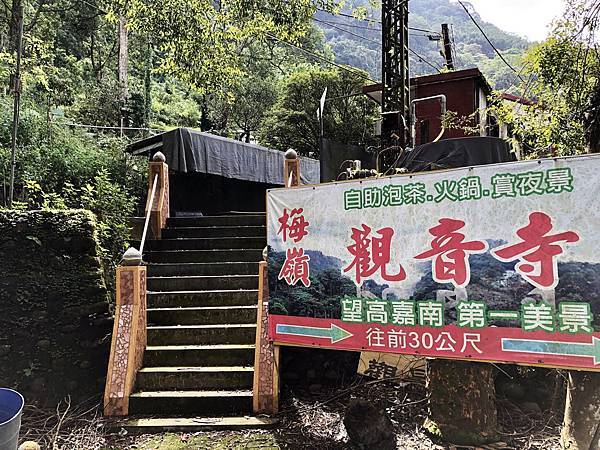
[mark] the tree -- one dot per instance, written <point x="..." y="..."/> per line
<point x="293" y="123"/>
<point x="462" y="407"/>
<point x="561" y="77"/>
<point x="253" y="98"/>
<point x="201" y="41"/>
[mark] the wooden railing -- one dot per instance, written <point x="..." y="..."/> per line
<point x="266" y="355"/>
<point x="129" y="330"/>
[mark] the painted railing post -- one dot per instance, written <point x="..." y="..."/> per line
<point x="160" y="206"/>
<point x="129" y="330"/>
<point x="129" y="335"/>
<point x="291" y="169"/>
<point x="266" y="355"/>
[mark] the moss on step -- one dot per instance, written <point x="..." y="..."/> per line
<point x="216" y="441"/>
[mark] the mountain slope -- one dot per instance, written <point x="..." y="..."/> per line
<point x="357" y="42"/>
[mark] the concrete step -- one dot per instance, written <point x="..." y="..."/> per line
<point x="191" y="269"/>
<point x="193" y="424"/>
<point x="202" y="334"/>
<point x="212" y="243"/>
<point x="200" y="355"/>
<point x="221" y="297"/>
<point x="218" y="221"/>
<point x="199" y="256"/>
<point x="214" y="232"/>
<point x="191" y="402"/>
<point x="204" y="315"/>
<point x="194" y="378"/>
<point x="202" y="283"/>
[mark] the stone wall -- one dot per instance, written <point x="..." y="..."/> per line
<point x="54" y="319"/>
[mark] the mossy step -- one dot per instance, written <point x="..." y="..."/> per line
<point x="191" y="402"/>
<point x="202" y="334"/>
<point x="207" y="243"/>
<point x="215" y="231"/>
<point x="202" y="282"/>
<point x="178" y="424"/>
<point x="204" y="315"/>
<point x="220" y="297"/>
<point x="218" y="255"/>
<point x="198" y="269"/>
<point x="196" y="355"/>
<point x="194" y="378"/>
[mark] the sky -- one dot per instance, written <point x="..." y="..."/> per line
<point x="527" y="18"/>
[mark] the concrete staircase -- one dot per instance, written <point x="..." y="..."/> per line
<point x="202" y="303"/>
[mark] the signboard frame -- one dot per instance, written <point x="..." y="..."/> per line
<point x="531" y="347"/>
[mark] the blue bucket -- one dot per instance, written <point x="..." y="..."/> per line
<point x="11" y="408"/>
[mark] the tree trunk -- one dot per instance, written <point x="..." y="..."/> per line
<point x="13" y="31"/>
<point x="122" y="70"/>
<point x="462" y="407"/>
<point x="592" y="122"/>
<point x="581" y="425"/>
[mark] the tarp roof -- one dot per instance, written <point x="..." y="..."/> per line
<point x="188" y="150"/>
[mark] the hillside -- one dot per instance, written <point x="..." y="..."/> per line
<point x="357" y="42"/>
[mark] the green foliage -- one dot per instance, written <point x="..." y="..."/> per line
<point x="293" y="123"/>
<point x="560" y="75"/>
<point x="58" y="168"/>
<point x="201" y="41"/>
<point x="172" y="106"/>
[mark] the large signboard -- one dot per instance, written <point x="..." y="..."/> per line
<point x="491" y="263"/>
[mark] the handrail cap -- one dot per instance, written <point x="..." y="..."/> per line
<point x="291" y="154"/>
<point x="159" y="157"/>
<point x="132" y="257"/>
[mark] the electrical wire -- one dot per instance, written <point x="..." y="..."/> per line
<point x="372" y="19"/>
<point x="439" y="69"/>
<point x="490" y="42"/>
<point x="347" y="31"/>
<point x="430" y="36"/>
<point x="322" y="59"/>
<point x="421" y="58"/>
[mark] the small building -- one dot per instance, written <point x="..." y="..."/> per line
<point x="466" y="92"/>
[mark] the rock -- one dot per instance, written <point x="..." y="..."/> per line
<point x="368" y="427"/>
<point x="531" y="408"/>
<point x="30" y="445"/>
<point x="512" y="391"/>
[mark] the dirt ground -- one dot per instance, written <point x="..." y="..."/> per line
<point x="308" y="420"/>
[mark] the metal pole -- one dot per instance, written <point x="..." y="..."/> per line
<point x="447" y="47"/>
<point x="16" y="107"/>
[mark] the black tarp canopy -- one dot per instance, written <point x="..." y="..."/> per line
<point x="188" y="150"/>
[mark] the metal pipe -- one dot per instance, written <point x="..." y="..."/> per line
<point x="413" y="115"/>
<point x="150" y="203"/>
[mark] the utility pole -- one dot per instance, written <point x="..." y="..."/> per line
<point x="395" y="98"/>
<point x="447" y="47"/>
<point x="16" y="88"/>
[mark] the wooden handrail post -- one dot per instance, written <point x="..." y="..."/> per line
<point x="160" y="207"/>
<point x="266" y="355"/>
<point x="128" y="338"/>
<point x="291" y="169"/>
